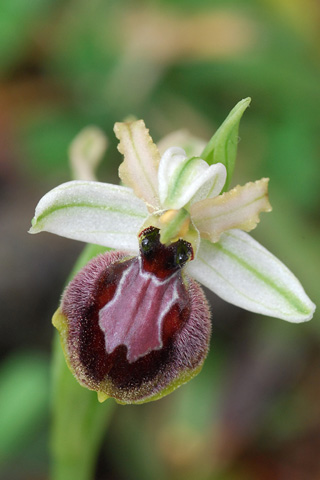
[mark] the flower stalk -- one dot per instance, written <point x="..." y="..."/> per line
<point x="79" y="422"/>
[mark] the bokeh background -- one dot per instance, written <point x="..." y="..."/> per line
<point x="254" y="411"/>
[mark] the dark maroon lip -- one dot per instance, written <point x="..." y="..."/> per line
<point x="132" y="331"/>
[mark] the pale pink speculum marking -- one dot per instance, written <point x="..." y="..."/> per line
<point x="135" y="315"/>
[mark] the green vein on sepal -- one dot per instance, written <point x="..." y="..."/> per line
<point x="36" y="221"/>
<point x="292" y="299"/>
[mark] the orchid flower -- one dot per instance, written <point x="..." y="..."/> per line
<point x="134" y="323"/>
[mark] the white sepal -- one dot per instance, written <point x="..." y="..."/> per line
<point x="242" y="272"/>
<point x="92" y="212"/>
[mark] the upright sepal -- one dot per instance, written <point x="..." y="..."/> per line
<point x="222" y="148"/>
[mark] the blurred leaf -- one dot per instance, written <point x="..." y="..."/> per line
<point x="17" y="21"/>
<point x="130" y="439"/>
<point x="184" y="431"/>
<point x="24" y="380"/>
<point x="199" y="400"/>
<point x="262" y="368"/>
<point x="171" y="438"/>
<point x="301" y="14"/>
<point x="45" y="137"/>
<point x="293" y="159"/>
<point x="79" y="421"/>
<point x="85" y="43"/>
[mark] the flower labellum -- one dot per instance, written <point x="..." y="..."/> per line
<point x="135" y="326"/>
<point x="134" y="323"/>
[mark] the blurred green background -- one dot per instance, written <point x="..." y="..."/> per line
<point x="254" y="411"/>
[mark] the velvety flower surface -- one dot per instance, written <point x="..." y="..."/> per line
<point x="132" y="334"/>
<point x="133" y="323"/>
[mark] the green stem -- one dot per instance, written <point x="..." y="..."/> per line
<point x="79" y="421"/>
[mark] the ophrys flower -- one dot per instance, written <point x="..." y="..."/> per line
<point x="134" y="324"/>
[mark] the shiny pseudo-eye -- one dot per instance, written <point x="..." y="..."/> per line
<point x="135" y="328"/>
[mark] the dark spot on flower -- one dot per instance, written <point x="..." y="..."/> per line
<point x="163" y="260"/>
